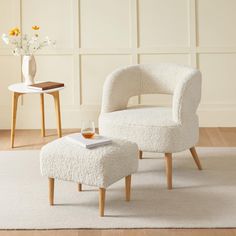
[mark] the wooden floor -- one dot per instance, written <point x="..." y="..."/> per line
<point x="30" y="139"/>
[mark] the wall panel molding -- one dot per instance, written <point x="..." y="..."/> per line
<point x="135" y="50"/>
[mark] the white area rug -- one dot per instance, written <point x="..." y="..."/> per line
<point x="200" y="198"/>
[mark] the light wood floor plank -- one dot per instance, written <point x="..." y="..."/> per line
<point x="229" y="135"/>
<point x="39" y="233"/>
<point x="216" y="137"/>
<point x="118" y="232"/>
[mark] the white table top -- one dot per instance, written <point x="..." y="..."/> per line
<point x="22" y="88"/>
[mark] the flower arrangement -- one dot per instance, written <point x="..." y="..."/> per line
<point x="26" y="44"/>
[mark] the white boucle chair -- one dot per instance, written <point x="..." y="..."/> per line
<point x="99" y="167"/>
<point x="154" y="129"/>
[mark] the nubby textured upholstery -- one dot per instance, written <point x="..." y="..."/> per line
<point x="99" y="167"/>
<point x="154" y="129"/>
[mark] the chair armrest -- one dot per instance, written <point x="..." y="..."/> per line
<point x="187" y="96"/>
<point x="119" y="86"/>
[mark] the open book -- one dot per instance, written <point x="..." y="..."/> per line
<point x="96" y="141"/>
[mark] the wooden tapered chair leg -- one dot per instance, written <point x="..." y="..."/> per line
<point x="140" y="155"/>
<point x="51" y="191"/>
<point x="127" y="187"/>
<point x="195" y="157"/>
<point x="168" y="159"/>
<point x="79" y="187"/>
<point x="102" y="196"/>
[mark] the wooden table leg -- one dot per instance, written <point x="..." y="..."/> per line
<point x="79" y="187"/>
<point x="42" y="115"/>
<point x="140" y="155"/>
<point x="58" y="112"/>
<point x="15" y="97"/>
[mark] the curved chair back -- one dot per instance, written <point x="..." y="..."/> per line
<point x="164" y="78"/>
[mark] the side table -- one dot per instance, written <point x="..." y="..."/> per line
<point x="21" y="89"/>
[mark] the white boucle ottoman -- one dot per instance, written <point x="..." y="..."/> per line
<point x="100" y="167"/>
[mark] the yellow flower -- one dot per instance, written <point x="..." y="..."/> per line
<point x="14" y="32"/>
<point x="35" y="27"/>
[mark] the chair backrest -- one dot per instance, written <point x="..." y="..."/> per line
<point x="135" y="80"/>
<point x="162" y="78"/>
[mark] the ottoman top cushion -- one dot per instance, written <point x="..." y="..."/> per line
<point x="101" y="166"/>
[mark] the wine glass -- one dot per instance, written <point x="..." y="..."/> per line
<point x="88" y="129"/>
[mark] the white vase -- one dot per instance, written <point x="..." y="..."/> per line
<point x="29" y="69"/>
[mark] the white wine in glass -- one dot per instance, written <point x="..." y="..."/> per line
<point x="88" y="129"/>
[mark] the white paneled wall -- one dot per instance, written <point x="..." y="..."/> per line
<point x="96" y="36"/>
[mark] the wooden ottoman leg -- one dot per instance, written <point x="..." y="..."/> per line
<point x="127" y="187"/>
<point x="79" y="187"/>
<point x="51" y="191"/>
<point x="102" y="196"/>
<point x="168" y="157"/>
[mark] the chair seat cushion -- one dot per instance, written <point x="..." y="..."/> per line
<point x="152" y="128"/>
<point x="101" y="166"/>
<point x="142" y="116"/>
